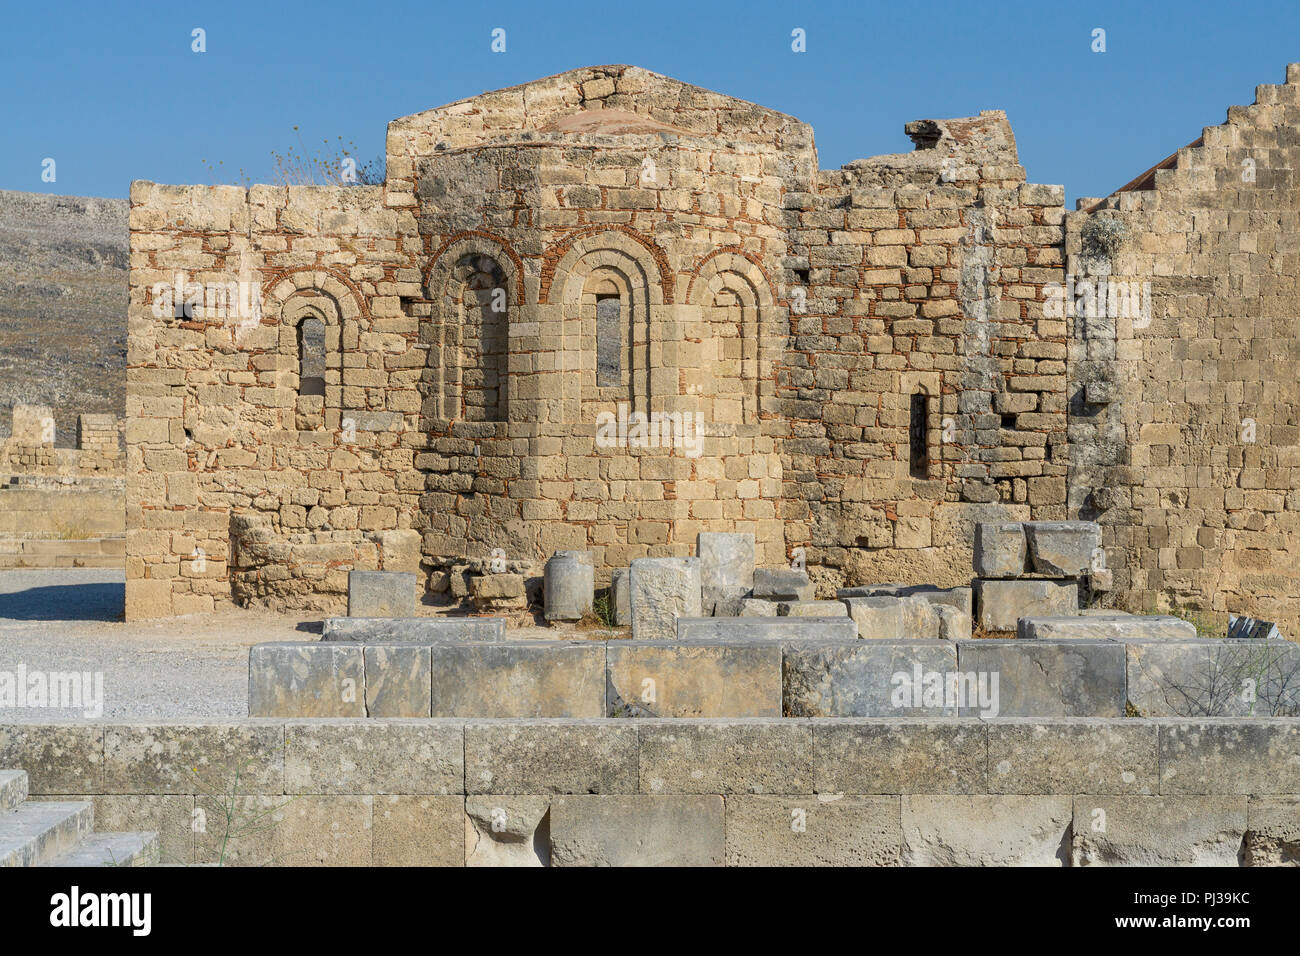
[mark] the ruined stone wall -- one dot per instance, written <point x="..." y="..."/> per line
<point x="29" y="448"/>
<point x="1185" y="416"/>
<point x="923" y="327"/>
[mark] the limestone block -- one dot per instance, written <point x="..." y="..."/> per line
<point x="400" y="550"/>
<point x="518" y="679"/>
<point x="498" y="591"/>
<point x="1229" y="755"/>
<point x="206" y="756"/>
<point x="813" y="830"/>
<point x="959" y="598"/>
<point x="619" y="583"/>
<point x="569" y="586"/>
<point x="876" y="618"/>
<point x="693" y="679"/>
<point x="726" y="571"/>
<point x="295" y="679"/>
<point x="414" y="630"/>
<point x="954" y="625"/>
<point x="981" y="830"/>
<point x="418" y="830"/>
<point x="551" y="756"/>
<point x="1001" y="550"/>
<point x="1214" y="678"/>
<point x="59" y="757"/>
<point x="757" y="629"/>
<point x="398" y="679"/>
<point x="505" y="830"/>
<point x="637" y="830"/>
<point x="1069" y="756"/>
<point x="1158" y="831"/>
<point x="1002" y="603"/>
<point x="381" y="594"/>
<point x="757" y="607"/>
<point x="899" y="756"/>
<point x="1272" y="831"/>
<point x="1048" y="679"/>
<point x="811" y="609"/>
<point x="783" y="584"/>
<point x="1062" y="548"/>
<point x="374" y="756"/>
<point x="726" y="756"/>
<point x="661" y="590"/>
<point x="838" y="678"/>
<point x="1098" y="627"/>
<point x="869" y="590"/>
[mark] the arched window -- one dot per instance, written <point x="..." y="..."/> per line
<point x="609" y="340"/>
<point x="311" y="356"/>
<point x="485" y="346"/>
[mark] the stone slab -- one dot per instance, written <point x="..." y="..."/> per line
<point x="1065" y="549"/>
<point x="374" y="756"/>
<point x="1211" y="677"/>
<point x="399" y="678"/>
<point x="1001" y="604"/>
<point x="750" y="629"/>
<point x="196" y="757"/>
<point x="1101" y="627"/>
<point x="783" y="584"/>
<point x="1158" y="831"/>
<point x="811" y="609"/>
<point x="1074" y="678"/>
<point x="297" y="679"/>
<point x="837" y="678"/>
<point x="1227" y="755"/>
<point x="899" y="756"/>
<point x="726" y="756"/>
<point x="381" y="593"/>
<point x="814" y="830"/>
<point x="619" y="584"/>
<point x="696" y="679"/>
<point x="638" y="830"/>
<point x="661" y="590"/>
<point x="551" y="756"/>
<point x="1001" y="550"/>
<point x="981" y="830"/>
<point x="1075" y="755"/>
<point x="518" y="679"/>
<point x="415" y="630"/>
<point x="726" y="571"/>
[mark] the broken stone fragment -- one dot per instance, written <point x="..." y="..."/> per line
<point x="782" y="584"/>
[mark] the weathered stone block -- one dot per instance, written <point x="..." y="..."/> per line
<point x="415" y="630"/>
<point x="1062" y="548"/>
<point x="295" y="679"/>
<point x="619" y="588"/>
<point x="1003" y="603"/>
<point x="899" y="756"/>
<point x="551" y="756"/>
<point x="1225" y="755"/>
<point x="751" y="629"/>
<point x="693" y="679"/>
<point x="60" y="758"/>
<point x="1158" y="831"/>
<point x="1214" y="678"/>
<point x="814" y="830"/>
<point x="1001" y="550"/>
<point x="1080" y="755"/>
<point x="812" y="609"/>
<point x="661" y="590"/>
<point x="398" y="680"/>
<point x="418" y="830"/>
<point x="726" y="756"/>
<point x="520" y="679"/>
<point x="1272" y="831"/>
<point x="374" y="756"/>
<point x="505" y="830"/>
<point x="726" y="571"/>
<point x="783" y="584"/>
<point x="1041" y="679"/>
<point x="637" y="830"/>
<point x="381" y="593"/>
<point x="983" y="830"/>
<point x="210" y="756"/>
<point x="825" y="678"/>
<point x="1101" y="627"/>
<point x="757" y="607"/>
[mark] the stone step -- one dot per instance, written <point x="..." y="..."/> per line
<point x="13" y="788"/>
<point x="35" y="832"/>
<point x="110" y="849"/>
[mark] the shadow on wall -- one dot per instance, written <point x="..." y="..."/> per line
<point x="88" y="601"/>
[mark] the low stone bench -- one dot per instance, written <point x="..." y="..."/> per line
<point x="1212" y="677"/>
<point x="414" y="630"/>
<point x="1119" y="627"/>
<point x="746" y="629"/>
<point x="1074" y="678"/>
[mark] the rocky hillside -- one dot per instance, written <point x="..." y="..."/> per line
<point x="63" y="295"/>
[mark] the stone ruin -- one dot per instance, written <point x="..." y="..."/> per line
<point x="608" y="312"/>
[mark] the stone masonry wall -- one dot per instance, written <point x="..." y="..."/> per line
<point x="1186" y="416"/>
<point x="684" y="792"/>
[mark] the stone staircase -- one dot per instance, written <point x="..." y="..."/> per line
<point x="61" y="833"/>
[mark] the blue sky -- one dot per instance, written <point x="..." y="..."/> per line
<point x="112" y="91"/>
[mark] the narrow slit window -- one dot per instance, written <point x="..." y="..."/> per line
<point x="609" y="341"/>
<point x="311" y="357"/>
<point x="918" y="438"/>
